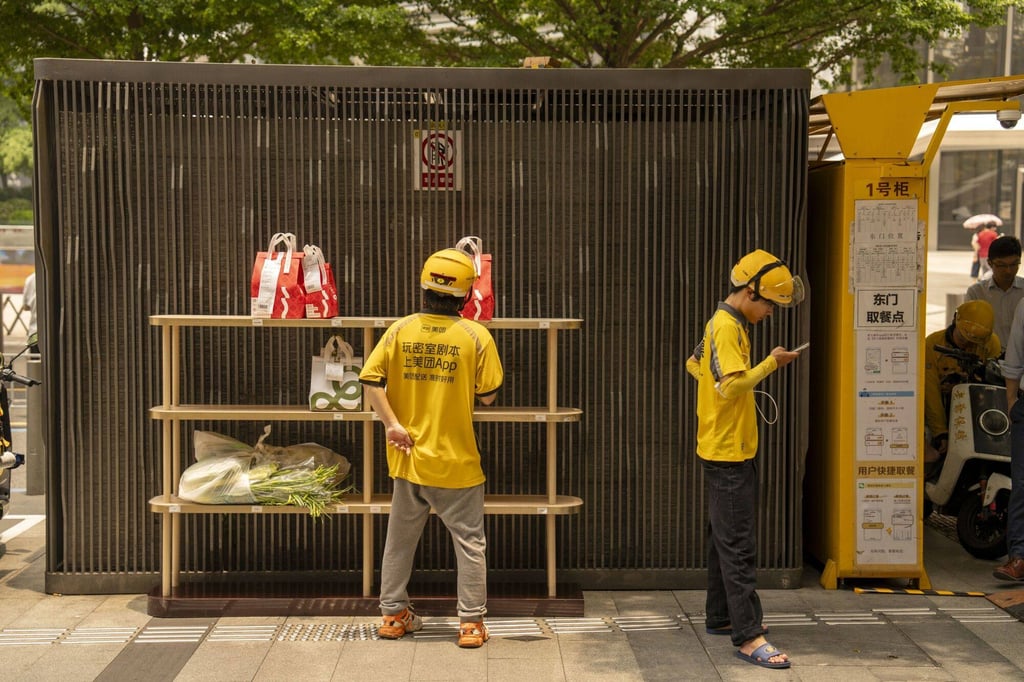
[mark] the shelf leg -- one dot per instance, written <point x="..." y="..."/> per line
<point x="552" y="369"/>
<point x="175" y="518"/>
<point x="368" y="483"/>
<point x="367" y="554"/>
<point x="552" y="456"/>
<point x="165" y="555"/>
<point x="549" y="523"/>
<point x="175" y="549"/>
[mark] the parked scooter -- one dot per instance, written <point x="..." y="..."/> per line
<point x="8" y="458"/>
<point x="973" y="480"/>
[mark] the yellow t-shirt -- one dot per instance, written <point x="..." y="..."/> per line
<point x="726" y="428"/>
<point x="432" y="367"/>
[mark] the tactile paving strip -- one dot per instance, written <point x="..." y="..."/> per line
<point x="326" y="632"/>
<point x="111" y="635"/>
<point x="447" y="628"/>
<point x="28" y="636"/>
<point x="171" y="634"/>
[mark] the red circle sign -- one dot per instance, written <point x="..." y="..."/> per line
<point x="438" y="151"/>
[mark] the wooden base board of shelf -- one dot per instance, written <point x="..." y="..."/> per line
<point x="218" y="600"/>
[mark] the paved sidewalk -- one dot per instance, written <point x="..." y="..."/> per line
<point x="657" y="635"/>
<point x="628" y="635"/>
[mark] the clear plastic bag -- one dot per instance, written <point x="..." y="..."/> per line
<point x="221" y="479"/>
<point x="228" y="471"/>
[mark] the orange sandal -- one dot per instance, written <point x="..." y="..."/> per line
<point x="396" y="625"/>
<point x="472" y="635"/>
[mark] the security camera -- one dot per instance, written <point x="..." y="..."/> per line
<point x="1008" y="117"/>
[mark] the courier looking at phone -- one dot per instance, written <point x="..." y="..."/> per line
<point x="727" y="444"/>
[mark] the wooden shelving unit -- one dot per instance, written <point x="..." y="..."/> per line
<point x="172" y="413"/>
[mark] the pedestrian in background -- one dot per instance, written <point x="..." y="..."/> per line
<point x="727" y="439"/>
<point x="985" y="238"/>
<point x="975" y="261"/>
<point x="421" y="379"/>
<point x="29" y="303"/>
<point x="1004" y="289"/>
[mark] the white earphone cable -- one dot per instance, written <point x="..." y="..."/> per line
<point x="775" y="408"/>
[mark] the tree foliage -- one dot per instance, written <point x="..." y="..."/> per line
<point x="280" y="31"/>
<point x="15" y="142"/>
<point x="820" y="35"/>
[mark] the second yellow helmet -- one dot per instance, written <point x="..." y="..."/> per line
<point x="974" y="320"/>
<point x="449" y="271"/>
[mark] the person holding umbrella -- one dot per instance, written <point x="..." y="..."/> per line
<point x="985" y="224"/>
<point x="975" y="263"/>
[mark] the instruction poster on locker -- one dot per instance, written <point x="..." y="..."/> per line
<point x="885" y="244"/>
<point x="886" y="371"/>
<point x="886" y="521"/>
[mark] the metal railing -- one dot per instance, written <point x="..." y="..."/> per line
<point x="14" y="316"/>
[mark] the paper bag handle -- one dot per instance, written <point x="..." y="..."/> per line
<point x="473" y="247"/>
<point x="337" y="348"/>
<point x="313" y="257"/>
<point x="290" y="243"/>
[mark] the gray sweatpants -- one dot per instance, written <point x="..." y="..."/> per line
<point x="462" y="512"/>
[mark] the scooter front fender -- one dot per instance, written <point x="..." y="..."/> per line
<point x="996" y="482"/>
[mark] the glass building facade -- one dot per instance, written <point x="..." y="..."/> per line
<point x="987" y="175"/>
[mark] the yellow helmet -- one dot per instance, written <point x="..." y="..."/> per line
<point x="974" y="320"/>
<point x="448" y="271"/>
<point x="769" y="277"/>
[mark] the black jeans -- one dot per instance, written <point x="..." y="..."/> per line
<point x="732" y="549"/>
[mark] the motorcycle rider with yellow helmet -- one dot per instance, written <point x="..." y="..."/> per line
<point x="971" y="332"/>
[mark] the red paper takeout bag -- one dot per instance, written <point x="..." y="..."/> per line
<point x="318" y="281"/>
<point x="277" y="288"/>
<point x="480" y="305"/>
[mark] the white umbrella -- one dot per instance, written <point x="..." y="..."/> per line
<point x="976" y="221"/>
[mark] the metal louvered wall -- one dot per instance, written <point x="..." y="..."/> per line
<point x="618" y="197"/>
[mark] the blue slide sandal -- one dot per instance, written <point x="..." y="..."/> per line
<point x="761" y="656"/>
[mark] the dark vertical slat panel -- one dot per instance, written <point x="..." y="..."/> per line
<point x="624" y="207"/>
<point x="110" y="518"/>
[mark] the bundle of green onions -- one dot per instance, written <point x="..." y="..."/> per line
<point x="303" y="487"/>
<point x="228" y="471"/>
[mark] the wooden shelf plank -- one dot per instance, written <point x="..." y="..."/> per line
<point x="301" y="413"/>
<point x="535" y="505"/>
<point x="346" y="322"/>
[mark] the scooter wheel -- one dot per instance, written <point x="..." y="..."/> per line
<point x="982" y="532"/>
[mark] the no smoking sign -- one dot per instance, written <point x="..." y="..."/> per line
<point x="438" y="159"/>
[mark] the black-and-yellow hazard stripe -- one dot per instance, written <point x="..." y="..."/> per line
<point x="937" y="593"/>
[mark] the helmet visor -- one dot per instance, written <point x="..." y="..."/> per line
<point x="784" y="294"/>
